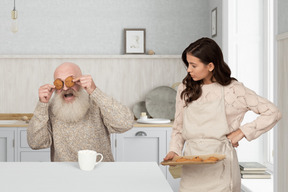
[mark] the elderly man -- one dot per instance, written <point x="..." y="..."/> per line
<point x="77" y="117"/>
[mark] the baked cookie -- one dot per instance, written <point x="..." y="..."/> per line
<point x="58" y="84"/>
<point x="211" y="159"/>
<point x="69" y="81"/>
<point x="197" y="158"/>
<point x="182" y="159"/>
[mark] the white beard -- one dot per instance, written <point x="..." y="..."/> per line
<point x="70" y="112"/>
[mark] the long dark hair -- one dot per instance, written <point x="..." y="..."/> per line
<point x="207" y="51"/>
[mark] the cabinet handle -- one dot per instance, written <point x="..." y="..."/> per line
<point x="141" y="133"/>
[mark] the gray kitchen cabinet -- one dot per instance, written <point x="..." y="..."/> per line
<point x="14" y="146"/>
<point x="7" y="144"/>
<point x="141" y="145"/>
<point x="25" y="153"/>
<point x="145" y="144"/>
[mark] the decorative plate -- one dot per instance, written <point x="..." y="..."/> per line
<point x="138" y="108"/>
<point x="160" y="102"/>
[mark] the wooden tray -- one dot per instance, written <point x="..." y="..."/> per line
<point x="204" y="157"/>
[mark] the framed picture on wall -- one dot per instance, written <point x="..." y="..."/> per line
<point x="214" y="22"/>
<point x="134" y="41"/>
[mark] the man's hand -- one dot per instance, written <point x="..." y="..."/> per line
<point x="86" y="82"/>
<point x="45" y="92"/>
<point x="235" y="137"/>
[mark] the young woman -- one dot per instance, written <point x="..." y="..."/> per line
<point x="210" y="106"/>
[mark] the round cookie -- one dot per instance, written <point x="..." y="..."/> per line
<point x="211" y="159"/>
<point x="182" y="159"/>
<point x="197" y="158"/>
<point x="69" y="81"/>
<point x="58" y="84"/>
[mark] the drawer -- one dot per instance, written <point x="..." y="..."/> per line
<point x="34" y="156"/>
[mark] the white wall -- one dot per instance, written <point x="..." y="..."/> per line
<point x="97" y="26"/>
<point x="282" y="94"/>
<point x="282" y="131"/>
<point x="217" y="4"/>
<point x="126" y="78"/>
<point x="282" y="16"/>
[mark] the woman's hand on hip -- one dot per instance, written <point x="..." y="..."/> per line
<point x="235" y="137"/>
<point x="170" y="155"/>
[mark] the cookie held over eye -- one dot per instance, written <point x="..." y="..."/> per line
<point x="69" y="81"/>
<point x="58" y="84"/>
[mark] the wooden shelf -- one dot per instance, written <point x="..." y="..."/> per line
<point x="128" y="56"/>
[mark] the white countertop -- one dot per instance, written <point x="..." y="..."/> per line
<point x="142" y="125"/>
<point x="257" y="185"/>
<point x="66" y="176"/>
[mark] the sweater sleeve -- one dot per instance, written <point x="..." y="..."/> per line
<point x="268" y="113"/>
<point x="39" y="134"/>
<point x="177" y="141"/>
<point x="116" y="117"/>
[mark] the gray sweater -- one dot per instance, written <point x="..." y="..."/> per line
<point x="105" y="116"/>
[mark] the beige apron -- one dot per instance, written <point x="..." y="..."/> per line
<point x="204" y="129"/>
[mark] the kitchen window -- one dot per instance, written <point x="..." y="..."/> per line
<point x="269" y="74"/>
<point x="250" y="56"/>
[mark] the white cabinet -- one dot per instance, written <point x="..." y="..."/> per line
<point x="142" y="145"/>
<point x="25" y="153"/>
<point x="14" y="146"/>
<point x="7" y="144"/>
<point x="145" y="144"/>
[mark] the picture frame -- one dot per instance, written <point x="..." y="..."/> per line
<point x="214" y="22"/>
<point x="135" y="41"/>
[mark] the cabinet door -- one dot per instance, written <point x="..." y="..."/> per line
<point x="142" y="145"/>
<point x="7" y="144"/>
<point x="34" y="156"/>
<point x="26" y="154"/>
<point x="113" y="144"/>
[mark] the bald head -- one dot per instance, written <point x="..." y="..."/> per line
<point x="67" y="69"/>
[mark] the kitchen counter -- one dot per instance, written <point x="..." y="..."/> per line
<point x="14" y="124"/>
<point x="19" y="123"/>
<point x="15" y="119"/>
<point x="15" y="116"/>
<point x="254" y="185"/>
<point x="152" y="125"/>
<point x="67" y="176"/>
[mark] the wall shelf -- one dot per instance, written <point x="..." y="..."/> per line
<point x="130" y="56"/>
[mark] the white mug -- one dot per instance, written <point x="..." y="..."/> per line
<point x="87" y="159"/>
